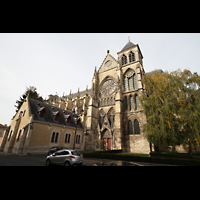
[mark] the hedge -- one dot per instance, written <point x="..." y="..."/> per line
<point x="160" y="159"/>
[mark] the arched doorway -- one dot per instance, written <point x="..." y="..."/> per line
<point x="107" y="139"/>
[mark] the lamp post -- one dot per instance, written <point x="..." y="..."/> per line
<point x="77" y="121"/>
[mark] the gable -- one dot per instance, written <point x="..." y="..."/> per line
<point x="108" y="64"/>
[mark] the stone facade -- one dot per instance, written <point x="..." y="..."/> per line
<point x="110" y="110"/>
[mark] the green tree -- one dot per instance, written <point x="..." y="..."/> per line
<point x="32" y="91"/>
<point x="159" y="101"/>
<point x="172" y="105"/>
<point x="188" y="85"/>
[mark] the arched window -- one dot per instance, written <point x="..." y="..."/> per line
<point x="52" y="137"/>
<point x="131" y="103"/>
<point x="129" y="81"/>
<point x="135" y="82"/>
<point x="124" y="60"/>
<point x="78" y="139"/>
<point x="137" y="104"/>
<point x="113" y="100"/>
<point x="125" y="103"/>
<point x="105" y="102"/>
<point x="130" y="127"/>
<point x="136" y="127"/>
<point x="56" y="140"/>
<point x="131" y="57"/>
<point x="125" y="84"/>
<point x="66" y="138"/>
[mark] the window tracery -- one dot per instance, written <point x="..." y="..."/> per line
<point x="130" y="81"/>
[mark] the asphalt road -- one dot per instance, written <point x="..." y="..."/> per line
<point x="7" y="159"/>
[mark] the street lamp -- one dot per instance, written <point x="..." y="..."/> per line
<point x="77" y="121"/>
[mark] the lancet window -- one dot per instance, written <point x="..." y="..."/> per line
<point x="131" y="57"/>
<point x="124" y="60"/>
<point x="130" y="81"/>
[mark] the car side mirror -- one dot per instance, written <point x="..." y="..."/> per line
<point x="53" y="154"/>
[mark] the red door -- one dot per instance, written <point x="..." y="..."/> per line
<point x="109" y="143"/>
<point x="104" y="144"/>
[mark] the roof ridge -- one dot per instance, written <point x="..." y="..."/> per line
<point x="128" y="45"/>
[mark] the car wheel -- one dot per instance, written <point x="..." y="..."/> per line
<point x="48" y="162"/>
<point x="67" y="163"/>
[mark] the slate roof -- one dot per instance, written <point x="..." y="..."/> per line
<point x="81" y="92"/>
<point x="35" y="107"/>
<point x="128" y="45"/>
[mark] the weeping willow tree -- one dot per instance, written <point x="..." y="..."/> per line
<point x="171" y="103"/>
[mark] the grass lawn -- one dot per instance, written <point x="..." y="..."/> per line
<point x="162" y="158"/>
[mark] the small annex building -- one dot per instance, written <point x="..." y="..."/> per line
<point x="38" y="126"/>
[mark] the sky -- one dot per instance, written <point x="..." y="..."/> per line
<point x="60" y="62"/>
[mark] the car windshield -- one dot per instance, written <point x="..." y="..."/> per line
<point x="76" y="153"/>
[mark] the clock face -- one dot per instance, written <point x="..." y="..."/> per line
<point x="108" y="87"/>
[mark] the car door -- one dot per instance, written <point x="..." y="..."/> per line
<point x="56" y="158"/>
<point x="61" y="157"/>
<point x="65" y="156"/>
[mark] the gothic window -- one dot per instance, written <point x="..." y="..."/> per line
<point x="131" y="102"/>
<point x="108" y="87"/>
<point x="130" y="81"/>
<point x="136" y="127"/>
<point x="135" y="82"/>
<point x="131" y="57"/>
<point x="125" y="103"/>
<point x="137" y="102"/>
<point x="125" y="84"/>
<point x="124" y="60"/>
<point x="130" y="127"/>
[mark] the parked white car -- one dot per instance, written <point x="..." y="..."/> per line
<point x="65" y="157"/>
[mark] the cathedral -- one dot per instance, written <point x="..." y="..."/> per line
<point x="110" y="111"/>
